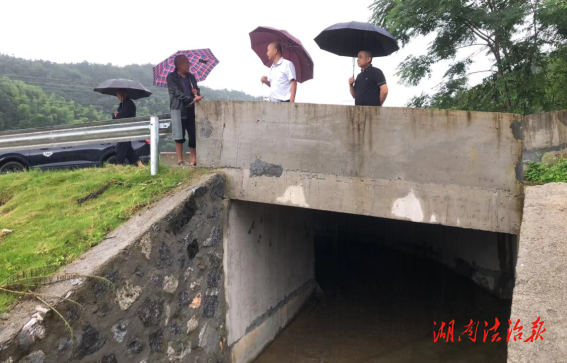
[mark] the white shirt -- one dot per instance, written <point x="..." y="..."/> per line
<point x="280" y="77"/>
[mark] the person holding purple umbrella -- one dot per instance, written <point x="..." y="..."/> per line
<point x="183" y="94"/>
<point x="281" y="79"/>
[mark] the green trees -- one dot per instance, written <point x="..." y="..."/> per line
<point x="23" y="106"/>
<point x="525" y="41"/>
<point x="70" y="87"/>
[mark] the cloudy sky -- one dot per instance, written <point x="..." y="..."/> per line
<point x="125" y="32"/>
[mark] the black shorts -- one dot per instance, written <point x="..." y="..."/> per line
<point x="188" y="125"/>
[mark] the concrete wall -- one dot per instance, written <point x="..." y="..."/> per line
<point x="448" y="167"/>
<point x="487" y="258"/>
<point x="167" y="304"/>
<point x="541" y="276"/>
<point x="543" y="132"/>
<point x="269" y="266"/>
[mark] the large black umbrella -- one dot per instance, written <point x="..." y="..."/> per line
<point x="135" y="89"/>
<point x="347" y="39"/>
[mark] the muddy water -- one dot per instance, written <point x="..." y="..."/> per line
<point x="380" y="306"/>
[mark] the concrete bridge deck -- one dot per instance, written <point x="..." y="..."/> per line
<point x="453" y="168"/>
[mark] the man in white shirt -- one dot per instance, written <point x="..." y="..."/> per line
<point x="281" y="79"/>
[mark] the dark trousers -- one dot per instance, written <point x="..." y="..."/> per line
<point x="125" y="150"/>
<point x="188" y="125"/>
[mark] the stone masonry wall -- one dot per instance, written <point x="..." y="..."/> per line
<point x="167" y="303"/>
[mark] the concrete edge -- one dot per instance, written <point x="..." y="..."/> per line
<point x="250" y="346"/>
<point x="491" y="210"/>
<point x="95" y="259"/>
<point x="541" y="276"/>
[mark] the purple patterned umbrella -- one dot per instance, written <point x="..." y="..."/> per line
<point x="292" y="49"/>
<point x="202" y="63"/>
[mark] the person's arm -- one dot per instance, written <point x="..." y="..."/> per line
<point x="265" y="81"/>
<point x="381" y="82"/>
<point x="131" y="108"/>
<point x="194" y="80"/>
<point x="196" y="90"/>
<point x="293" y="90"/>
<point x="121" y="114"/>
<point x="177" y="93"/>
<point x="127" y="110"/>
<point x="196" y="99"/>
<point x="383" y="93"/>
<point x="292" y="79"/>
<point x="351" y="87"/>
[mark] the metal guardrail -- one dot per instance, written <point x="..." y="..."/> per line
<point x="152" y="127"/>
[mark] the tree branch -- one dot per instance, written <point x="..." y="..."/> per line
<point x="468" y="74"/>
<point x="477" y="31"/>
<point x="472" y="45"/>
<point x="491" y="5"/>
<point x="535" y="22"/>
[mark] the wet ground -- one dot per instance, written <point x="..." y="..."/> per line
<point x="380" y="305"/>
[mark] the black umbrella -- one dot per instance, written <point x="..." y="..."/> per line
<point x="135" y="89"/>
<point x="347" y="39"/>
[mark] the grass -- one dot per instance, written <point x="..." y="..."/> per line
<point x="52" y="228"/>
<point x="541" y="173"/>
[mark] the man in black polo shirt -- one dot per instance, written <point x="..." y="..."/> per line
<point x="370" y="88"/>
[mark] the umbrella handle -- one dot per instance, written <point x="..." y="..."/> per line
<point x="352" y="67"/>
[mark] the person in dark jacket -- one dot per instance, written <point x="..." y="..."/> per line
<point x="183" y="94"/>
<point x="124" y="150"/>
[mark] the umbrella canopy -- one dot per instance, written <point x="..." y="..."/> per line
<point x="347" y="39"/>
<point x="292" y="50"/>
<point x="135" y="89"/>
<point x="202" y="63"/>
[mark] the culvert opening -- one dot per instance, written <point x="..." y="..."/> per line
<point x="385" y="282"/>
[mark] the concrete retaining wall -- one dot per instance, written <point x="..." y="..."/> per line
<point x="542" y="133"/>
<point x="443" y="167"/>
<point x="168" y="302"/>
<point x="269" y="272"/>
<point x="541" y="276"/>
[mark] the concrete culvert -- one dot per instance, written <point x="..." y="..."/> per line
<point x="387" y="286"/>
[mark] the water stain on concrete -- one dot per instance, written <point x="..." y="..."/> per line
<point x="516" y="127"/>
<point x="205" y="128"/>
